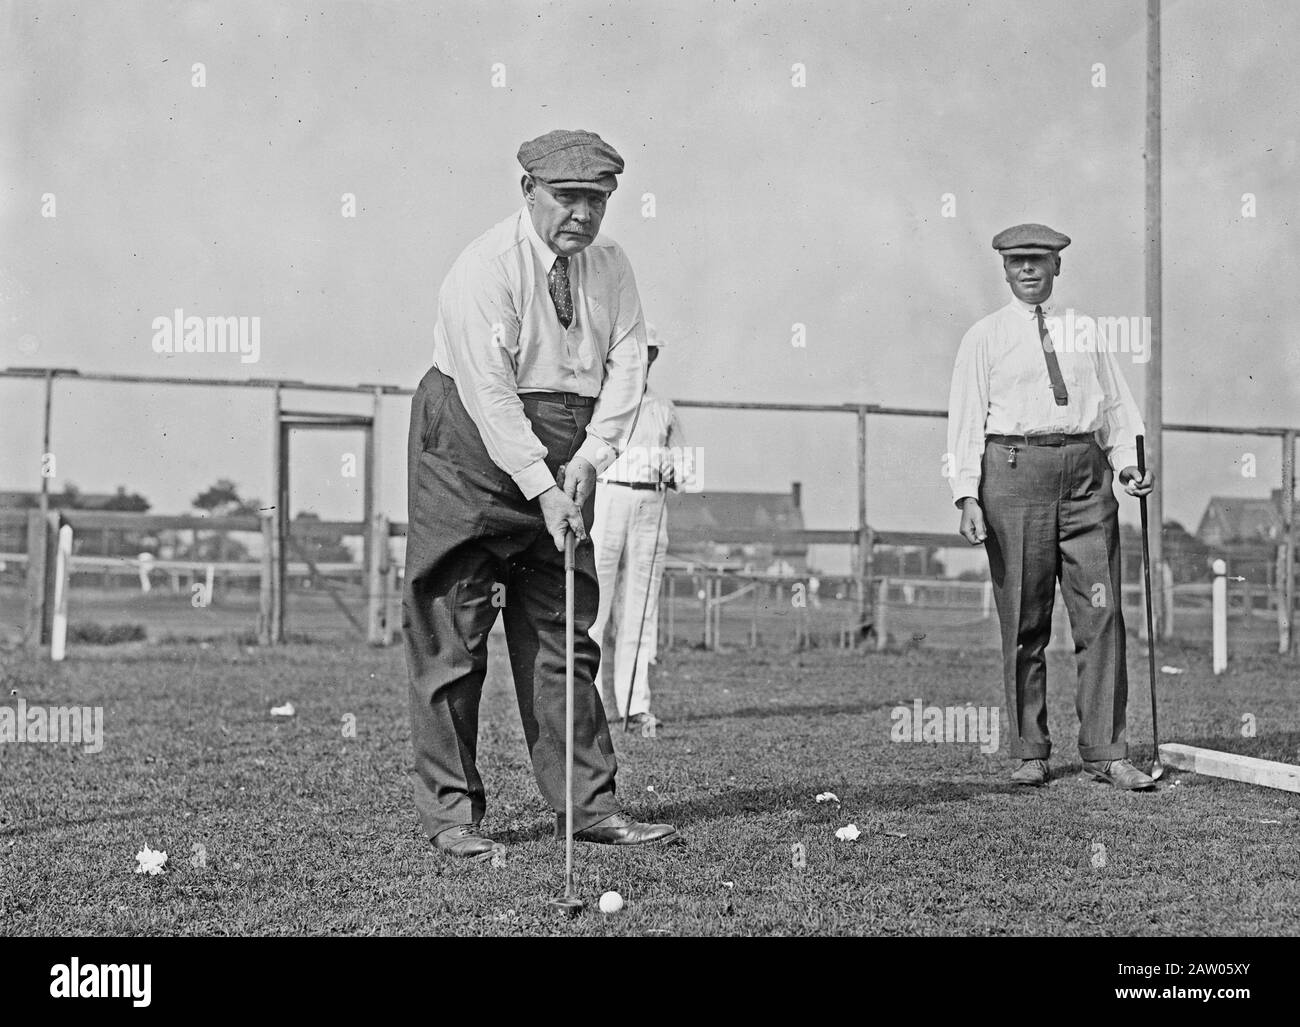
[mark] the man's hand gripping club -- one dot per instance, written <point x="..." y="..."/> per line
<point x="562" y="503"/>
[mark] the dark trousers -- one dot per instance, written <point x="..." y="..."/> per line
<point x="475" y="546"/>
<point x="1052" y="515"/>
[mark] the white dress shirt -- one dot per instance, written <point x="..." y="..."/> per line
<point x="498" y="335"/>
<point x="1000" y="386"/>
<point x="655" y="452"/>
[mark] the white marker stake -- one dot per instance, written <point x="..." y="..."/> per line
<point x="1219" y="616"/>
<point x="207" y="588"/>
<point x="59" y="628"/>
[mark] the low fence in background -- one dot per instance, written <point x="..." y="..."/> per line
<point x="276" y="590"/>
<point x="719" y="610"/>
<point x="708" y="606"/>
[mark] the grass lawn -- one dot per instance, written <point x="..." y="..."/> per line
<point x="286" y="827"/>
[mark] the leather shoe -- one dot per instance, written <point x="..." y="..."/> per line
<point x="1031" y="772"/>
<point x="1120" y="773"/>
<point x="464" y="842"/>
<point x="620" y="829"/>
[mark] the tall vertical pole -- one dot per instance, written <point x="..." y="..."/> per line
<point x="39" y="544"/>
<point x="1286" y="569"/>
<point x="1154" y="417"/>
<point x="279" y="494"/>
<point x="45" y="442"/>
<point x="865" y="546"/>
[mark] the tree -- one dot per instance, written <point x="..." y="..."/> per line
<point x="221" y="499"/>
<point x="130" y="502"/>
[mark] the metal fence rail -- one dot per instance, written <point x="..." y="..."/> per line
<point x="861" y="538"/>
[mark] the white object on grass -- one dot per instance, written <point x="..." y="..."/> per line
<point x="1166" y="669"/>
<point x="282" y="711"/>
<point x="150" y="862"/>
<point x="611" y="902"/>
<point x="848" y="834"/>
<point x="1219" y="616"/>
<point x="1248" y="769"/>
<point x="62" y="565"/>
<point x="827" y="797"/>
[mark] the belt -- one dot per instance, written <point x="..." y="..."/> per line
<point x="1053" y="439"/>
<point x="656" y="486"/>
<point x="569" y="399"/>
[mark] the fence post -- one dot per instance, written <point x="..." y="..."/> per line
<point x="376" y="570"/>
<point x="280" y="522"/>
<point x="753" y="617"/>
<point x="1167" y="597"/>
<point x="1286" y="580"/>
<point x="866" y="541"/>
<point x="1219" y="617"/>
<point x="672" y="602"/>
<point x="882" y="608"/>
<point x="38" y="594"/>
<point x="717" y="614"/>
<point x="265" y="598"/>
<point x="62" y="574"/>
<point x="705" y="593"/>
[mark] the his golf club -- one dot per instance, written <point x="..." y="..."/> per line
<point x="569" y="901"/>
<point x="1157" y="769"/>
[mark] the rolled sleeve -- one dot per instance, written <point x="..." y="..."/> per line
<point x="597" y="453"/>
<point x="968" y="404"/>
<point x="534" y="479"/>
<point x="626" y="363"/>
<point x="1121" y="419"/>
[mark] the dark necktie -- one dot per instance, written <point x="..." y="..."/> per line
<point x="1053" y="366"/>
<point x="558" y="280"/>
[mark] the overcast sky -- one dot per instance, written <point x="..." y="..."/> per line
<point x="775" y="205"/>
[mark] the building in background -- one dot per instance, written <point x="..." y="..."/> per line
<point x="700" y="519"/>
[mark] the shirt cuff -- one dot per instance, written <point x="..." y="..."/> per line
<point x="1123" y="456"/>
<point x="965" y="488"/>
<point x="534" y="479"/>
<point x="596" y="453"/>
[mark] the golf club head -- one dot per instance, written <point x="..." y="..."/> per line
<point x="569" y="904"/>
<point x="1157" y="769"/>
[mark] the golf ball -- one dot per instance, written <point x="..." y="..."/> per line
<point x="611" y="902"/>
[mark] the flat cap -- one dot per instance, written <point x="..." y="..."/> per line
<point x="1028" y="239"/>
<point x="572" y="159"/>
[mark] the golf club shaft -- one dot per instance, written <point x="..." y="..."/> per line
<point x="568" y="713"/>
<point x="1146" y="582"/>
<point x="645" y="605"/>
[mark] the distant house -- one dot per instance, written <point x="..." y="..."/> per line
<point x="697" y="519"/>
<point x="1228" y="520"/>
<point x="63" y="501"/>
<point x="1245" y="533"/>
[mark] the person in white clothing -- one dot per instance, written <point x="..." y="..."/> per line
<point x="630" y="533"/>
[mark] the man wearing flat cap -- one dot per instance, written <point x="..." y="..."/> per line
<point x="539" y="364"/>
<point x="1037" y="431"/>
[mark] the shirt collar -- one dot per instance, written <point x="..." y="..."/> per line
<point x="544" y="253"/>
<point x="1050" y="307"/>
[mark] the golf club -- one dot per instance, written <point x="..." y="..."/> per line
<point x="1157" y="769"/>
<point x="569" y="901"/>
<point x="645" y="605"/>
